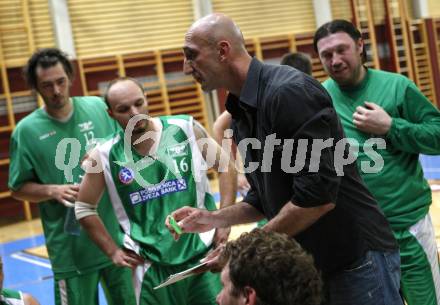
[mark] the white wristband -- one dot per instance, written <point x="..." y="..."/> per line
<point x="83" y="209"/>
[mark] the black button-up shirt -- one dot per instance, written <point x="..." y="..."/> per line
<point x="279" y="107"/>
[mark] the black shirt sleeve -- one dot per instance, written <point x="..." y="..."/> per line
<point x="304" y="111"/>
<point x="253" y="199"/>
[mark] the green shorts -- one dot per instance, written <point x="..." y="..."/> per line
<point x="200" y="289"/>
<point x="83" y="289"/>
<point x="420" y="281"/>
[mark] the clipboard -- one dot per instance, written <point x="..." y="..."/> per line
<point x="173" y="278"/>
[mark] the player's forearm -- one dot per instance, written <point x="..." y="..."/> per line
<point x="238" y="213"/>
<point x="228" y="186"/>
<point x="99" y="234"/>
<point x="293" y="219"/>
<point x="222" y="123"/>
<point x="33" y="192"/>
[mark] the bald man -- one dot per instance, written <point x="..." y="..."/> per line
<point x="153" y="171"/>
<point x="323" y="204"/>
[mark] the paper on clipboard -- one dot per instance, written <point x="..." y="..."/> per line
<point x="180" y="276"/>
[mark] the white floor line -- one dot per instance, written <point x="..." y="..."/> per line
<point x="30" y="260"/>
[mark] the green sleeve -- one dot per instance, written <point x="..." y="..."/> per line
<point x="20" y="166"/>
<point x="11" y="294"/>
<point x="417" y="129"/>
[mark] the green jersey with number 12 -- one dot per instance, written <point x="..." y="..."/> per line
<point x="47" y="151"/>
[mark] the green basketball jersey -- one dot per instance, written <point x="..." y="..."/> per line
<point x="144" y="190"/>
<point x="399" y="187"/>
<point x="11" y="297"/>
<point x="41" y="149"/>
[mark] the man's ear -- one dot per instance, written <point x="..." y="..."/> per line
<point x="360" y="45"/>
<point x="224" y="48"/>
<point x="110" y="113"/>
<point x="250" y="295"/>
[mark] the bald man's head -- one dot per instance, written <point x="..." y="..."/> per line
<point x="216" y="27"/>
<point x="214" y="47"/>
<point x="126" y="99"/>
<point x="125" y="80"/>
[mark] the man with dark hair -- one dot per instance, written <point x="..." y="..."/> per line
<point x="339" y="25"/>
<point x="374" y="103"/>
<point x="298" y="60"/>
<point x="323" y="204"/>
<point x="46" y="58"/>
<point x="151" y="169"/>
<point x="46" y="149"/>
<point x="268" y="268"/>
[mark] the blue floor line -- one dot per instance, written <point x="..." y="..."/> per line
<point x="32" y="259"/>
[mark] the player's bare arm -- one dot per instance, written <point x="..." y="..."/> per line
<point x="65" y="194"/>
<point x="91" y="190"/>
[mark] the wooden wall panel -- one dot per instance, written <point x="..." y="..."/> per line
<point x="364" y="19"/>
<point x="264" y="18"/>
<point x="168" y="90"/>
<point x="423" y="76"/>
<point x="24" y="26"/>
<point x="41" y="24"/>
<point x="13" y="34"/>
<point x="434" y="8"/>
<point x="341" y="9"/>
<point x="378" y="8"/>
<point x="108" y="27"/>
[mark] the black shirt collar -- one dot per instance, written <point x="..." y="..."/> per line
<point x="249" y="92"/>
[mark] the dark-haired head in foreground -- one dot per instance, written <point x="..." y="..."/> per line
<point x="268" y="268"/>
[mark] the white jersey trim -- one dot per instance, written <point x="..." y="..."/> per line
<point x="13" y="301"/>
<point x="62" y="287"/>
<point x="121" y="215"/>
<point x="199" y="171"/>
<point x="423" y="231"/>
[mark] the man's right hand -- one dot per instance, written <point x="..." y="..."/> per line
<point x="65" y="193"/>
<point x="126" y="258"/>
<point x="190" y="220"/>
<point x="243" y="185"/>
<point x="214" y="264"/>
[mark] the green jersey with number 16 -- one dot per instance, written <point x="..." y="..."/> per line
<point x="144" y="190"/>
